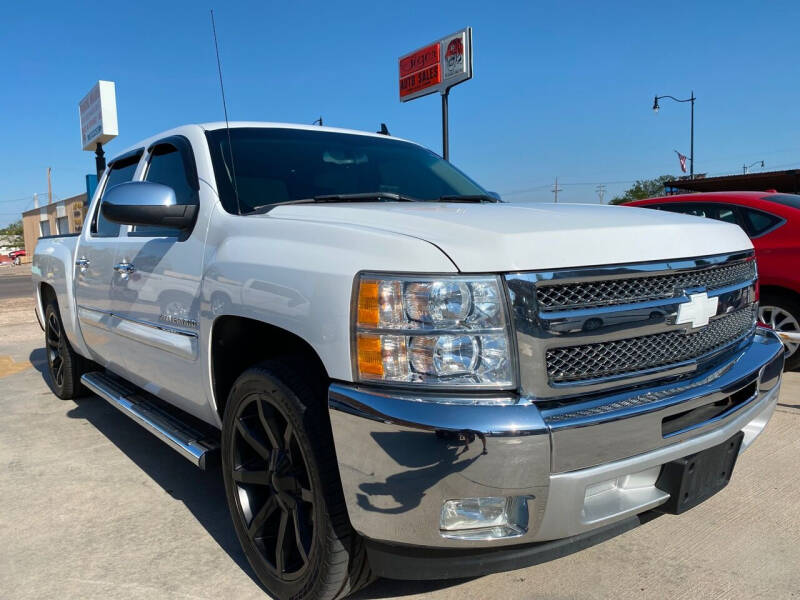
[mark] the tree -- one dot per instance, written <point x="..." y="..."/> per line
<point x="644" y="188"/>
<point x="13" y="233"/>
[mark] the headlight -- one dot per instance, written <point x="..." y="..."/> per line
<point x="449" y="331"/>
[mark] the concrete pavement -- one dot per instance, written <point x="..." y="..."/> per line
<point x="92" y="506"/>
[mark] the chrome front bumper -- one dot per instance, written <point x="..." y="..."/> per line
<point x="401" y="455"/>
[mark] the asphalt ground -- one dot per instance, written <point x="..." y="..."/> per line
<point x="15" y="281"/>
<point x="92" y="506"/>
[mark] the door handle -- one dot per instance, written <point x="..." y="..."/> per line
<point x="83" y="263"/>
<point x="125" y="268"/>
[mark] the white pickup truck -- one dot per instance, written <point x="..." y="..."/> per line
<point x="402" y="376"/>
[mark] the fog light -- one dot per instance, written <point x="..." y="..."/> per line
<point x="474" y="513"/>
<point x="484" y="519"/>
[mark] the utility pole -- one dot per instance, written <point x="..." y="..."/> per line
<point x="49" y="188"/>
<point x="556" y="189"/>
<point x="601" y="192"/>
<point x="745" y="167"/>
<point x="691" y="143"/>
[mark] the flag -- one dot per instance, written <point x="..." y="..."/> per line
<point x="682" y="160"/>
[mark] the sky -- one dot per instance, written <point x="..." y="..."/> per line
<point x="560" y="89"/>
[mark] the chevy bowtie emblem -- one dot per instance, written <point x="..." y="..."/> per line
<point x="698" y="310"/>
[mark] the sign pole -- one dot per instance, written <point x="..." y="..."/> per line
<point x="445" y="133"/>
<point x="99" y="160"/>
<point x="436" y="68"/>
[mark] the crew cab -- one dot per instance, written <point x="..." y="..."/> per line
<point x="402" y="376"/>
<point x="772" y="221"/>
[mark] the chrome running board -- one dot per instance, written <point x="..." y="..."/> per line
<point x="188" y="441"/>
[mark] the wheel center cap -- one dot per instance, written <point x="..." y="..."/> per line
<point x="283" y="481"/>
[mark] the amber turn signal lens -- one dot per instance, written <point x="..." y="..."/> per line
<point x="370" y="356"/>
<point x="368" y="303"/>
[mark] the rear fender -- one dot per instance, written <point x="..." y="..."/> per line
<point x="54" y="265"/>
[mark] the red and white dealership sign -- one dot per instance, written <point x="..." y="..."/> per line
<point x="437" y="67"/>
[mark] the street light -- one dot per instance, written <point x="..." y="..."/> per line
<point x="691" y="147"/>
<point x="745" y="167"/>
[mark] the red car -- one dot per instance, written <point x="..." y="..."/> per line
<point x="772" y="220"/>
<point x="16" y="256"/>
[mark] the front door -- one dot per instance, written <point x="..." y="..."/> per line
<point x="156" y="291"/>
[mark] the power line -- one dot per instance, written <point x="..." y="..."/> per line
<point x="17" y="199"/>
<point x="576" y="183"/>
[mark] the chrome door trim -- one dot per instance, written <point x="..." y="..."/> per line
<point x="170" y="339"/>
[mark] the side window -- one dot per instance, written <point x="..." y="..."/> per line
<point x="757" y="222"/>
<point x="168" y="167"/>
<point x="721" y="212"/>
<point x="686" y="209"/>
<point x="122" y="170"/>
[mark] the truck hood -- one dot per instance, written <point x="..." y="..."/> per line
<point x="518" y="237"/>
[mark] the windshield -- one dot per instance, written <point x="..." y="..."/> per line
<point x="278" y="165"/>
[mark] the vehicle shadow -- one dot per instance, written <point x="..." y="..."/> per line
<point x="202" y="492"/>
<point x="389" y="588"/>
<point x="38" y="358"/>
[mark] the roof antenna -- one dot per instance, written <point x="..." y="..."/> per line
<point x="318" y="121"/>
<point x="383" y="130"/>
<point x="231" y="176"/>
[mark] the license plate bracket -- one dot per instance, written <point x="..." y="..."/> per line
<point x="695" y="478"/>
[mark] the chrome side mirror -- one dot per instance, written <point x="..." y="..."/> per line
<point x="147" y="203"/>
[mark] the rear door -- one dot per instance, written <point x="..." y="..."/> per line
<point x="94" y="270"/>
<point x="157" y="289"/>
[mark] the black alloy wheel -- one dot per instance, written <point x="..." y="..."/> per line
<point x="283" y="489"/>
<point x="273" y="487"/>
<point x="64" y="364"/>
<point x="55" y="352"/>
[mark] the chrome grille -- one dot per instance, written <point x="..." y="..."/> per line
<point x="609" y="292"/>
<point x="605" y="359"/>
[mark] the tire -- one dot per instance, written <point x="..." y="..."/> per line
<point x="64" y="365"/>
<point x="283" y="489"/>
<point x="782" y="313"/>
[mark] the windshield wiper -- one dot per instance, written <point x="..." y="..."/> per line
<point x="326" y="198"/>
<point x="371" y="197"/>
<point x="468" y="198"/>
<point x="364" y="197"/>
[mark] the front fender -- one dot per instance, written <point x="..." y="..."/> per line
<point x="299" y="275"/>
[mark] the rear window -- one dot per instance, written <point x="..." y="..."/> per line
<point x="759" y="222"/>
<point x="792" y="200"/>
